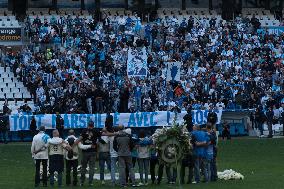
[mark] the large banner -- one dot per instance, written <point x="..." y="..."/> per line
<point x="173" y="71"/>
<point x="10" y="34"/>
<point x="137" y="62"/>
<point x="277" y="30"/>
<point x="139" y="119"/>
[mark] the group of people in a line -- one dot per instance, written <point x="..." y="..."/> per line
<point x="119" y="150"/>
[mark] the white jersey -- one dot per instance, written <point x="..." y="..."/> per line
<point x="56" y="146"/>
<point x="39" y="145"/>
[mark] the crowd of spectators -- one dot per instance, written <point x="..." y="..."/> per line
<point x="79" y="65"/>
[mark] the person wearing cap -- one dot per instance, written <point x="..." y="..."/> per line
<point x="71" y="157"/>
<point x="40" y="155"/>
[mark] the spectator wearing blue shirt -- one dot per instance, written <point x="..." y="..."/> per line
<point x="211" y="153"/>
<point x="199" y="141"/>
<point x="210" y="159"/>
<point x="129" y="21"/>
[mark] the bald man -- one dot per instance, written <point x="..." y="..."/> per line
<point x="56" y="146"/>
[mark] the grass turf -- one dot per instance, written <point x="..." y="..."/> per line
<point x="259" y="160"/>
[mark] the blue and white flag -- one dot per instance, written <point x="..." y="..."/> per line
<point x="173" y="71"/>
<point x="137" y="63"/>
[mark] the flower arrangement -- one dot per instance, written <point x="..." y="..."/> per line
<point x="179" y="146"/>
<point x="230" y="175"/>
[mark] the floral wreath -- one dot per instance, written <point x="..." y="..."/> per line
<point x="172" y="143"/>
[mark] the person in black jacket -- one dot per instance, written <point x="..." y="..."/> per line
<point x="33" y="126"/>
<point x="3" y="128"/>
<point x="109" y="122"/>
<point x="188" y="120"/>
<point x="259" y="119"/>
<point x="269" y="115"/>
<point x="89" y="136"/>
<point x="98" y="96"/>
<point x="226" y="131"/>
<point x="212" y="118"/>
<point x="60" y="124"/>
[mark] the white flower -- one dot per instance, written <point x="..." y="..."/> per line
<point x="230" y="175"/>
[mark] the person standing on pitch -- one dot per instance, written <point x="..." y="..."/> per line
<point x="104" y="156"/>
<point x="72" y="156"/>
<point x="40" y="155"/>
<point x="89" y="136"/>
<point x="123" y="144"/>
<point x="56" y="146"/>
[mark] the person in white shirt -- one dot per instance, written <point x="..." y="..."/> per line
<point x="56" y="146"/>
<point x="220" y="105"/>
<point x="121" y="22"/>
<point x="40" y="155"/>
<point x="72" y="156"/>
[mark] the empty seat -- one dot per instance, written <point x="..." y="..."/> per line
<point x="18" y="95"/>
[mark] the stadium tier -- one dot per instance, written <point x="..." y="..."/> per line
<point x="69" y="56"/>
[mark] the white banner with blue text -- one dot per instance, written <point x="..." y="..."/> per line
<point x="138" y="119"/>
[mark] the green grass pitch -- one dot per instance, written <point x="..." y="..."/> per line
<point x="261" y="161"/>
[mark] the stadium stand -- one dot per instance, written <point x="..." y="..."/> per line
<point x="48" y="36"/>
